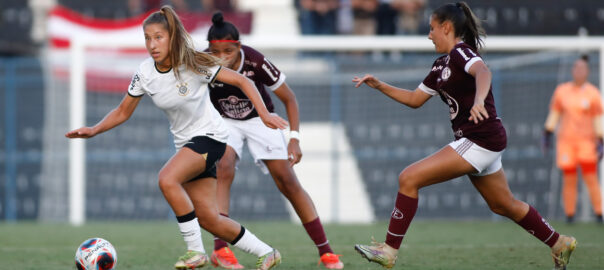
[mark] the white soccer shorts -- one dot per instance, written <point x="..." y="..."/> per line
<point x="263" y="142"/>
<point x="484" y="161"/>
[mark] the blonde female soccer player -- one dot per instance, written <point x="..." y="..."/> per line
<point x="463" y="81"/>
<point x="176" y="78"/>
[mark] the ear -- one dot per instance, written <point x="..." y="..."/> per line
<point x="448" y="27"/>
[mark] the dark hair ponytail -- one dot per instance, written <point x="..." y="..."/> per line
<point x="466" y="24"/>
<point x="221" y="29"/>
<point x="182" y="50"/>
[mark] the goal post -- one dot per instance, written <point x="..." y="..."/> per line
<point x="80" y="44"/>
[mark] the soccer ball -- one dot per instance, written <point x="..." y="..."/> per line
<point x="95" y="253"/>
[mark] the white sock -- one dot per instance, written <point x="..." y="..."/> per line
<point x="251" y="244"/>
<point x="191" y="233"/>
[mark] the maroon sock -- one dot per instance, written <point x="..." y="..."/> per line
<point x="538" y="227"/>
<point x="402" y="214"/>
<point x="317" y="234"/>
<point x="219" y="243"/>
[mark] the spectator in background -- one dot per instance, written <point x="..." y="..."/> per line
<point x="364" y="13"/>
<point x="409" y="15"/>
<point x="317" y="17"/>
<point x="137" y="7"/>
<point x="386" y="18"/>
<point x="578" y="105"/>
<point x="222" y="5"/>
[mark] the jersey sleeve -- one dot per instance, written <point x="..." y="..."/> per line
<point x="136" y="88"/>
<point x="428" y="85"/>
<point x="556" y="103"/>
<point x="464" y="57"/>
<point x="270" y="75"/>
<point x="208" y="75"/>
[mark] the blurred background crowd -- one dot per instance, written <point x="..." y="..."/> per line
<point x="23" y="22"/>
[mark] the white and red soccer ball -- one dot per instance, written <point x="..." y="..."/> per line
<point x="95" y="254"/>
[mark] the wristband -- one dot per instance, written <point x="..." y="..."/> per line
<point x="294" y="134"/>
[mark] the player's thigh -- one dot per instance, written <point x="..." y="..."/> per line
<point x="586" y="151"/>
<point x="493" y="188"/>
<point x="236" y="135"/>
<point x="183" y="166"/>
<point x="441" y="166"/>
<point x="228" y="161"/>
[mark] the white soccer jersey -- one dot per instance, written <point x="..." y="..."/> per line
<point x="186" y="101"/>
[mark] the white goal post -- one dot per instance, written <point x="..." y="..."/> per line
<point x="77" y="107"/>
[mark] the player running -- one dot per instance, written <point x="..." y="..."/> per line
<point x="268" y="146"/>
<point x="176" y="77"/>
<point x="463" y="82"/>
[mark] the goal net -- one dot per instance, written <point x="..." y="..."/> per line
<point x="355" y="141"/>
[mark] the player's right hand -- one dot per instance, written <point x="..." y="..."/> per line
<point x="546" y="141"/>
<point x="83" y="132"/>
<point x="368" y="79"/>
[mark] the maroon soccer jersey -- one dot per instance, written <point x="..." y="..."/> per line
<point x="450" y="79"/>
<point x="231" y="102"/>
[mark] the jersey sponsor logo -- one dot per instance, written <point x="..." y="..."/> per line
<point x="183" y="90"/>
<point x="235" y="107"/>
<point x="453" y="104"/>
<point x="397" y="214"/>
<point x="446" y="73"/>
<point x="207" y="73"/>
<point x="437" y="68"/>
<point x="135" y="79"/>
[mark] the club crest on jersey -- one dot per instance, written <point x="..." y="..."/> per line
<point x="446" y="73"/>
<point x="183" y="90"/>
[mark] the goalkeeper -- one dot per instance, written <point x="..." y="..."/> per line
<point x="577" y="106"/>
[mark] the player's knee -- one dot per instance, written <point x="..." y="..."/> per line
<point x="166" y="182"/>
<point x="408" y="179"/>
<point x="288" y="185"/>
<point x="208" y="220"/>
<point x="225" y="171"/>
<point x="505" y="209"/>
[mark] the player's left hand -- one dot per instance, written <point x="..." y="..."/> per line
<point x="272" y="120"/>
<point x="294" y="154"/>
<point x="478" y="113"/>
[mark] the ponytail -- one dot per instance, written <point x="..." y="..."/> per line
<point x="182" y="51"/>
<point x="467" y="26"/>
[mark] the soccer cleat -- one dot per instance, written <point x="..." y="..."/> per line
<point x="331" y="261"/>
<point x="191" y="260"/>
<point x="224" y="258"/>
<point x="561" y="251"/>
<point x="269" y="260"/>
<point x="379" y="253"/>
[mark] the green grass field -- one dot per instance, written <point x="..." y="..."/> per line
<point x="429" y="245"/>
